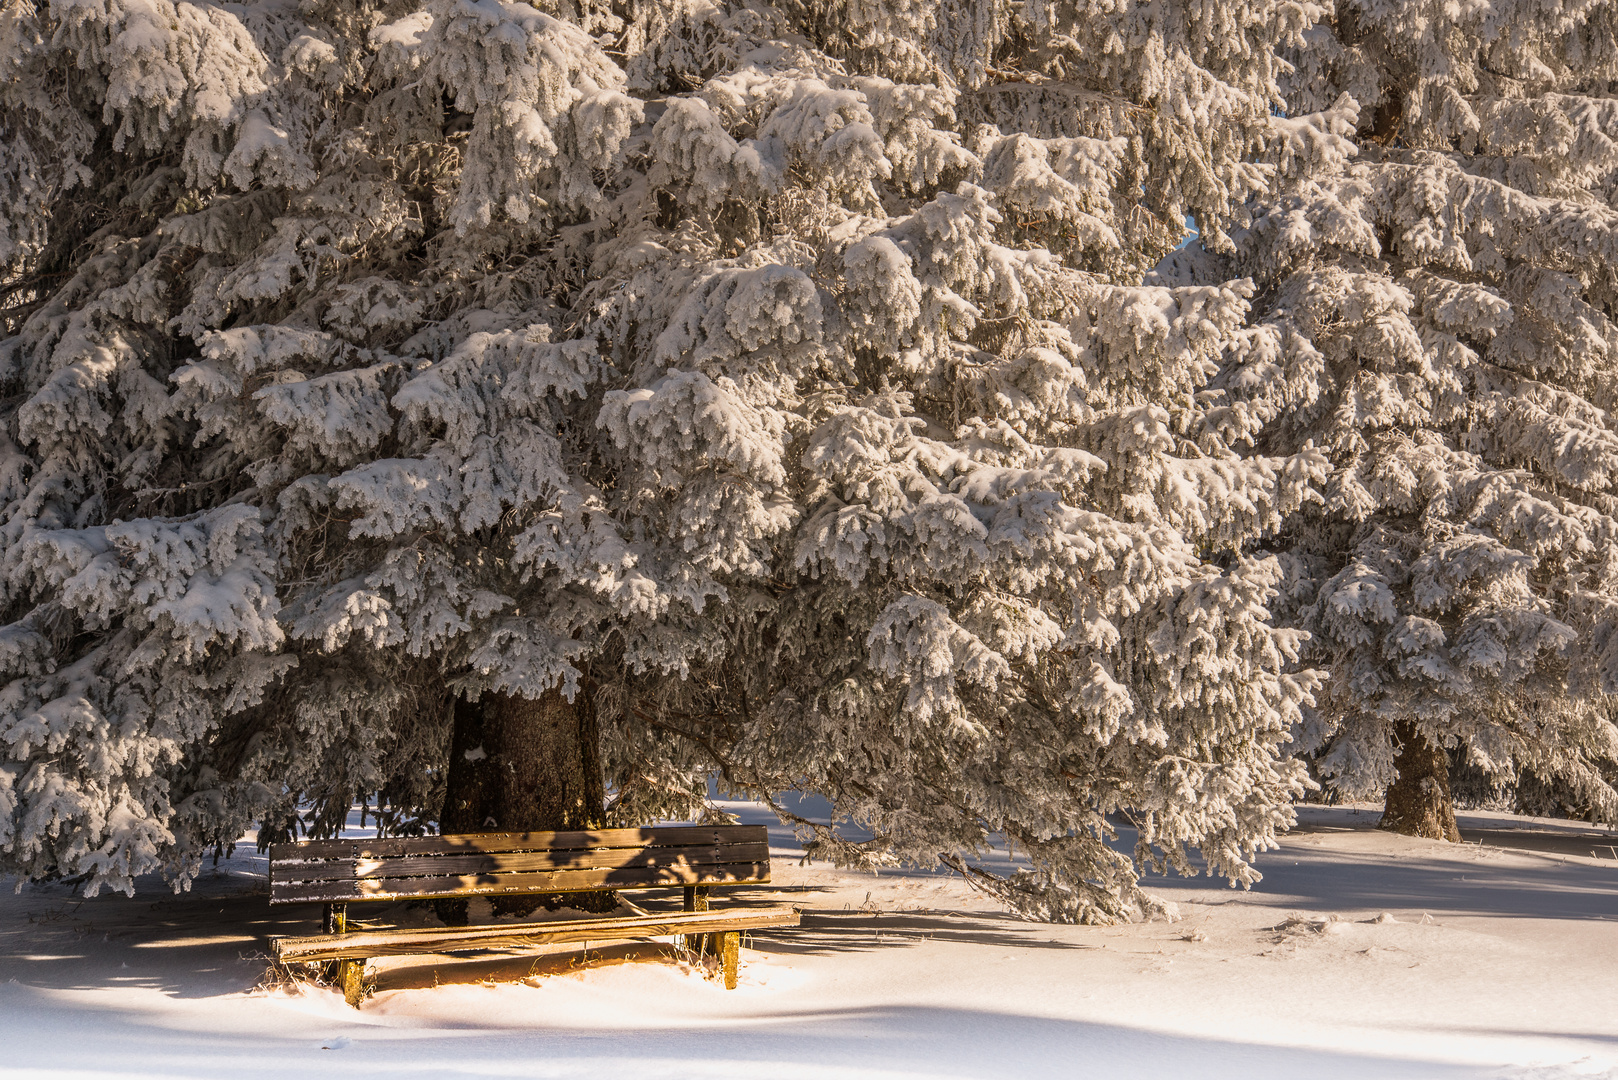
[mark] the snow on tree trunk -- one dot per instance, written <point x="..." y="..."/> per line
<point x="784" y="367"/>
<point x="1418" y="800"/>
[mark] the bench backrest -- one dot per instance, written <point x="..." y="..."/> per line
<point x="494" y="864"/>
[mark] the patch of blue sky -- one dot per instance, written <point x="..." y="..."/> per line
<point x="1190" y="232"/>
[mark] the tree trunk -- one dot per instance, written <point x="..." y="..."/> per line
<point x="546" y="755"/>
<point x="525" y="765"/>
<point x="1419" y="802"/>
<point x="466" y="798"/>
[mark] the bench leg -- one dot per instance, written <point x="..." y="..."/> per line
<point x="349" y="974"/>
<point x="731" y="954"/>
<point x="696" y="899"/>
<point x="333" y="920"/>
<point x="353" y="979"/>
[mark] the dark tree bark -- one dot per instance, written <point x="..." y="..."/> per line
<point x="545" y="758"/>
<point x="1419" y="802"/>
<point x="467" y="788"/>
<point x="528" y="765"/>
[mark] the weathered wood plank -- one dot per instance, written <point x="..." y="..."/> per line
<point x="393" y="847"/>
<point x="462" y="939"/>
<point x="555" y="881"/>
<point x="478" y="862"/>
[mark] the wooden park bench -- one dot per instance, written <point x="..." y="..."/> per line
<point x="338" y="873"/>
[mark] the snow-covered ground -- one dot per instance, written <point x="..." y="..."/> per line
<point x="1360" y="955"/>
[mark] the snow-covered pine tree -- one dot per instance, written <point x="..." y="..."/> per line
<point x="556" y="406"/>
<point x="1439" y="278"/>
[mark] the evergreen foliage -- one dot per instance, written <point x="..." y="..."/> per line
<point x="1439" y="279"/>
<point x="777" y="380"/>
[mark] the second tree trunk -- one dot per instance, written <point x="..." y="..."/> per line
<point x="1419" y="802"/>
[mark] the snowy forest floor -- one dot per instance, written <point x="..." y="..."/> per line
<point x="1361" y="954"/>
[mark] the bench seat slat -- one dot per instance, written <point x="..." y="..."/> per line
<point x="393" y="847"/>
<point x="462" y="939"/>
<point x="476" y="862"/>
<point x="554" y="881"/>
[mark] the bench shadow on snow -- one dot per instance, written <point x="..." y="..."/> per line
<point x="198" y="946"/>
<point x="859" y="931"/>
